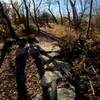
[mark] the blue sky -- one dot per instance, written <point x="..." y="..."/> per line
<point x="54" y="7"/>
<point x="98" y="1"/>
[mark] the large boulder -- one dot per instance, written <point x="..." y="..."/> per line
<point x="64" y="92"/>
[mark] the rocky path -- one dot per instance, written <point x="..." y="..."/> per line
<point x="8" y="85"/>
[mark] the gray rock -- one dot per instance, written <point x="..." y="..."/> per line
<point x="53" y="54"/>
<point x="44" y="58"/>
<point x="62" y="94"/>
<point x="48" y="58"/>
<point x="49" y="76"/>
<point x="66" y="93"/>
<point x="61" y="66"/>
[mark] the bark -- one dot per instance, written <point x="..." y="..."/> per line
<point x="27" y="18"/>
<point x="75" y="15"/>
<point x="83" y="9"/>
<point x="68" y="12"/>
<point x="90" y="17"/>
<point x="58" y="2"/>
<point x="35" y="16"/>
<point x="54" y="18"/>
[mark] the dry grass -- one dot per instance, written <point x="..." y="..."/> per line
<point x="56" y="30"/>
<point x="59" y="30"/>
<point x="68" y="41"/>
<point x="68" y="35"/>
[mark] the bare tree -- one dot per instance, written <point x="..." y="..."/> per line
<point x="75" y="15"/>
<point x="27" y="17"/>
<point x="44" y="18"/>
<point x="5" y="20"/>
<point x="66" y="2"/>
<point x="49" y="9"/>
<point x="58" y="2"/>
<point x="35" y="18"/>
<point x="90" y="17"/>
<point x="84" y="7"/>
<point x="96" y="18"/>
<point x="16" y="10"/>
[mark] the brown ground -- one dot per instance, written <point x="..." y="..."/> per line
<point x="8" y="89"/>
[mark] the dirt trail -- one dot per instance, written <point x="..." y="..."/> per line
<point x="8" y="84"/>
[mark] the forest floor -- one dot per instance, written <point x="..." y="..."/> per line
<point x="85" y="70"/>
<point x="8" y="85"/>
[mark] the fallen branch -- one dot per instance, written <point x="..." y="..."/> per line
<point x="95" y="72"/>
<point x="91" y="86"/>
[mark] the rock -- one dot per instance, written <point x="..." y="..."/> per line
<point x="49" y="76"/>
<point x="49" y="46"/>
<point x="64" y="65"/>
<point x="61" y="66"/>
<point x="62" y="94"/>
<point x="48" y="58"/>
<point x="44" y="58"/>
<point x="53" y="54"/>
<point x="66" y="93"/>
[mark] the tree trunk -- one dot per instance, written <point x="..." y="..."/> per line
<point x="19" y="17"/>
<point x="68" y="12"/>
<point x="60" y="12"/>
<point x="54" y="18"/>
<point x="35" y="15"/>
<point x="75" y="15"/>
<point x="27" y="18"/>
<point x="5" y="20"/>
<point x="90" y="17"/>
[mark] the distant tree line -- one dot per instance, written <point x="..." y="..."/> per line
<point x="31" y="11"/>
